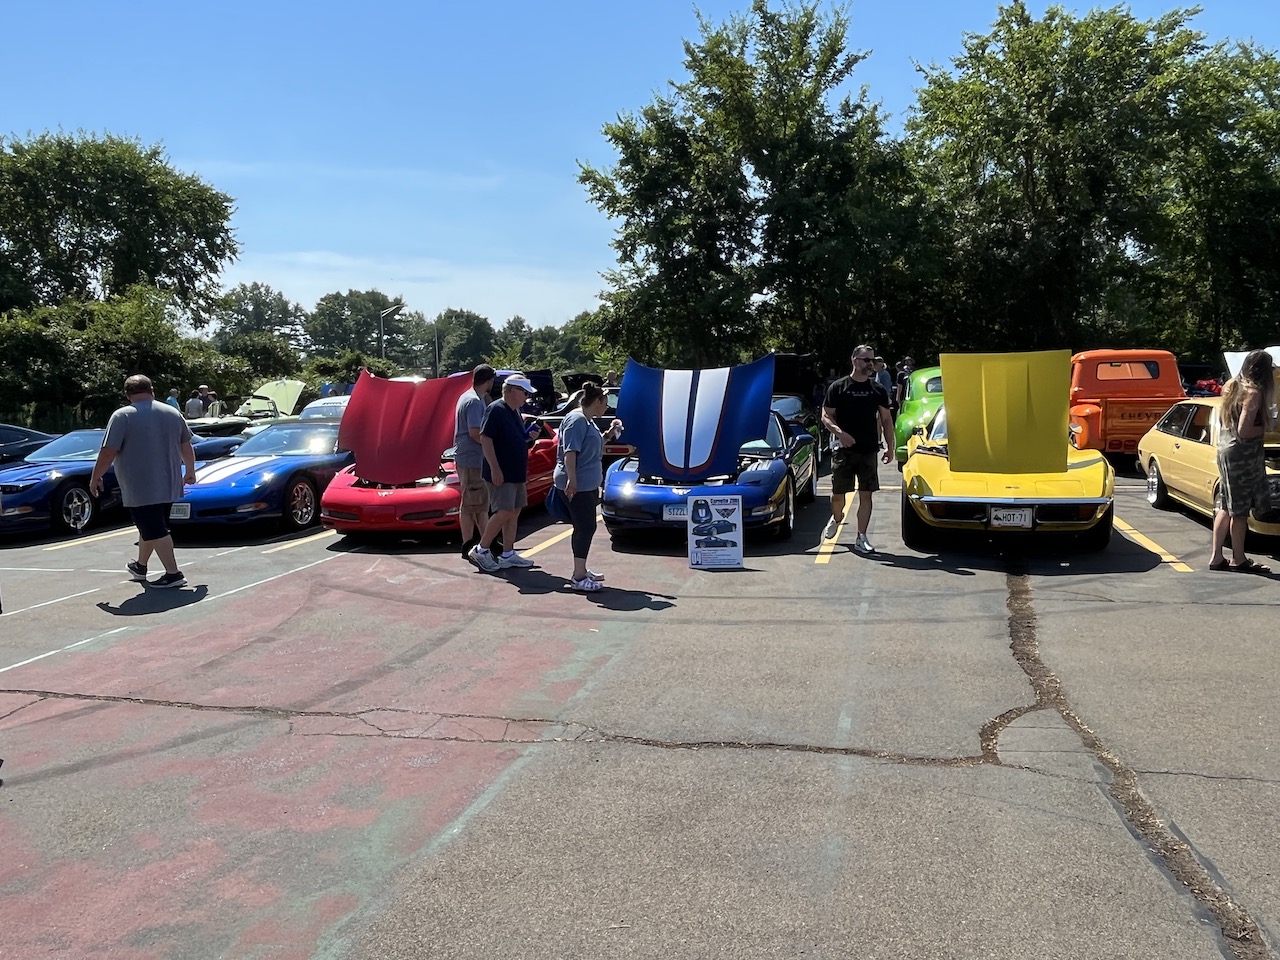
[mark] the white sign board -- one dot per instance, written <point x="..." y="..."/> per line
<point x="716" y="532"/>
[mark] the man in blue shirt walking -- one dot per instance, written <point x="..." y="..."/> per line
<point x="505" y="471"/>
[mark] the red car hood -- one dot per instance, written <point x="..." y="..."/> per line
<point x="399" y="430"/>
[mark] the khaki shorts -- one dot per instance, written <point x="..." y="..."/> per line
<point x="475" y="498"/>
<point x="507" y="496"/>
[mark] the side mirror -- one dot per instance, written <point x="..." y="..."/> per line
<point x="917" y="431"/>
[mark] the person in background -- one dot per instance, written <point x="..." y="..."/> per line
<point x="173" y="401"/>
<point x="1246" y="414"/>
<point x="580" y="473"/>
<point x="468" y="416"/>
<point x="885" y="379"/>
<point x="611" y="379"/>
<point x="195" y="406"/>
<point x="903" y="379"/>
<point x="856" y="411"/>
<point x="505" y="470"/>
<point x="203" y="391"/>
<point x="148" y="443"/>
<point x="214" y="406"/>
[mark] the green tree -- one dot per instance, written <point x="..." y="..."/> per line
<point x="1050" y="147"/>
<point x="514" y="340"/>
<point x="267" y="355"/>
<point x="257" y="308"/>
<point x="756" y="206"/>
<point x="352" y="321"/>
<point x="86" y="217"/>
<point x="466" y="338"/>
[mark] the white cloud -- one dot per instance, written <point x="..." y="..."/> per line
<point x="496" y="291"/>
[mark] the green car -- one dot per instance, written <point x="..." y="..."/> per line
<point x="924" y="397"/>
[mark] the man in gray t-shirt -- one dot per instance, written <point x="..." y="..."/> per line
<point x="469" y="456"/>
<point x="148" y="442"/>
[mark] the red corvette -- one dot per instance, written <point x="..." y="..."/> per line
<point x="355" y="506"/>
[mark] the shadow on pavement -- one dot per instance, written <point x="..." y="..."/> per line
<point x="155" y="601"/>
<point x="536" y="581"/>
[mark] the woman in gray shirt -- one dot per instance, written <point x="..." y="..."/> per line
<point x="580" y="473"/>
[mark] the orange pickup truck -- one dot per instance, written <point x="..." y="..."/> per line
<point x="1118" y="395"/>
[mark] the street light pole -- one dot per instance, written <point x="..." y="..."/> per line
<point x="391" y="311"/>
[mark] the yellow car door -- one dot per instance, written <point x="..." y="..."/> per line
<point x="1163" y="448"/>
<point x="1199" y="459"/>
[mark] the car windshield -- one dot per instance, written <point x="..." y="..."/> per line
<point x="77" y="445"/>
<point x="788" y="406"/>
<point x="938" y="429"/>
<point x="771" y="443"/>
<point x="321" y="411"/>
<point x="291" y="440"/>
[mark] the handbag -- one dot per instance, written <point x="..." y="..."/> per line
<point x="558" y="505"/>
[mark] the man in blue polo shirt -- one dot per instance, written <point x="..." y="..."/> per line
<point x="505" y="470"/>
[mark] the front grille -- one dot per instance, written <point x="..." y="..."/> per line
<point x="341" y="514"/>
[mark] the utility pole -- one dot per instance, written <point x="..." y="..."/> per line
<point x="391" y="311"/>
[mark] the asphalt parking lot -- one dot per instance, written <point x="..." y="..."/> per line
<point x="321" y="750"/>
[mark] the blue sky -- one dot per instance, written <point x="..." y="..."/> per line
<point x="428" y="149"/>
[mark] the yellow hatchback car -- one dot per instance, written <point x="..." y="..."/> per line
<point x="1179" y="456"/>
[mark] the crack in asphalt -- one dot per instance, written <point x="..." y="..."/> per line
<point x="1206" y="776"/>
<point x="1240" y="932"/>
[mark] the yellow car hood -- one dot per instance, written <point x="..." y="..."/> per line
<point x="1007" y="412"/>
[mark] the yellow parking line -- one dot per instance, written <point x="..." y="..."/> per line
<point x="563" y="535"/>
<point x="297" y="543"/>
<point x="1147" y="543"/>
<point x="94" y="539"/>
<point x="829" y="546"/>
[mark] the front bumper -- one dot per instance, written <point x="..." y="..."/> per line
<point x="1073" y="515"/>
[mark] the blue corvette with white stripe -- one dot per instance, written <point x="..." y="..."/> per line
<point x="770" y="475"/>
<point x="278" y="474"/>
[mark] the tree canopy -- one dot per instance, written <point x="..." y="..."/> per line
<point x="84" y="217"/>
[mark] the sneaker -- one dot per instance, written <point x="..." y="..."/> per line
<point x="585" y="585"/>
<point x="483" y="559"/>
<point x="830" y="530"/>
<point x="506" y="561"/>
<point x="170" y="580"/>
<point x="863" y="545"/>
<point x="137" y="572"/>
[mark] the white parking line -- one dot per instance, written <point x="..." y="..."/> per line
<point x="70" y="646"/>
<point x="36" y="606"/>
<point x="38" y="569"/>
<point x="258" y="583"/>
<point x="297" y="543"/>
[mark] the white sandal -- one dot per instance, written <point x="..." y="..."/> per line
<point x="585" y="585"/>
<point x="597" y="577"/>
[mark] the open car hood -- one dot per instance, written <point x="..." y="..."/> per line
<point x="399" y="430"/>
<point x="283" y="393"/>
<point x="1007" y="412"/>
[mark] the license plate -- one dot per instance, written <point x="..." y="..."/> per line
<point x="675" y="511"/>
<point x="1011" y="517"/>
<point x="180" y="511"/>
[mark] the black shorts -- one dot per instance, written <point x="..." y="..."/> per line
<point x="152" y="520"/>
<point x="850" y="464"/>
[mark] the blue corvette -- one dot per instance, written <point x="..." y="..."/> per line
<point x="277" y="474"/>
<point x="772" y="474"/>
<point x="50" y="487"/>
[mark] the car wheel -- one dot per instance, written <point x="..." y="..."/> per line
<point x="916" y="534"/>
<point x="300" y="507"/>
<point x="72" y="507"/>
<point x="1157" y="492"/>
<point x="788" y="524"/>
<point x="1098" y="536"/>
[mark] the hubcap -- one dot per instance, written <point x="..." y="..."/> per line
<point x="77" y="508"/>
<point x="303" y="504"/>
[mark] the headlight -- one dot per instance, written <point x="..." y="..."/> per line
<point x="9" y="489"/>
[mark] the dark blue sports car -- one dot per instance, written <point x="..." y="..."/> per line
<point x="50" y="487"/>
<point x="277" y="474"/>
<point x="772" y="474"/>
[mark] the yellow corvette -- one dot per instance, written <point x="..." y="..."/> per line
<point x="996" y="459"/>
<point x="1179" y="455"/>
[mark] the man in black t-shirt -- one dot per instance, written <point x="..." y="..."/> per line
<point x="856" y="411"/>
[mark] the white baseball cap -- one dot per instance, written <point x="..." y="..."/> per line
<point x="519" y="381"/>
